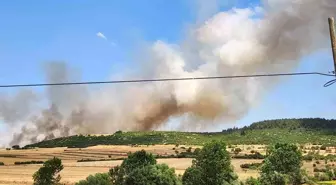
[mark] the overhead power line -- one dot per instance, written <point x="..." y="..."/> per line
<point x="171" y="79"/>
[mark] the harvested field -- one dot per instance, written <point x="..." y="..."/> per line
<point x="75" y="171"/>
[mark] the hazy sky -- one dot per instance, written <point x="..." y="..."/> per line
<point x="101" y="39"/>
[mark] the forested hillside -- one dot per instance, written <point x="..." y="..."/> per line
<point x="310" y="130"/>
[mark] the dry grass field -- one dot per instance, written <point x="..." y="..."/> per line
<point x="75" y="171"/>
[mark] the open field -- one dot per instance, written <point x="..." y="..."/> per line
<point x="75" y="171"/>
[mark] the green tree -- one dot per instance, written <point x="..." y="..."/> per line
<point x="283" y="161"/>
<point x="48" y="174"/>
<point x="138" y="159"/>
<point x="134" y="160"/>
<point x="97" y="179"/>
<point x="159" y="174"/>
<point x="191" y="175"/>
<point x="273" y="178"/>
<point x="211" y="166"/>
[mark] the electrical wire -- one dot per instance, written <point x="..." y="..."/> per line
<point x="171" y="79"/>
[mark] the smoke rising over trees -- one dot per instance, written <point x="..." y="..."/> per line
<point x="253" y="40"/>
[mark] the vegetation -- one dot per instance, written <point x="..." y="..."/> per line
<point x="28" y="162"/>
<point x="252" y="166"/>
<point x="16" y="147"/>
<point x="282" y="165"/>
<point x="98" y="178"/>
<point x="141" y="168"/>
<point x="152" y="174"/>
<point x="2" y="163"/>
<point x="48" y="174"/>
<point x="255" y="155"/>
<point x="318" y="131"/>
<point x="211" y="166"/>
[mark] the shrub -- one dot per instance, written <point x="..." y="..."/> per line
<point x="237" y="151"/>
<point x="16" y="147"/>
<point x="323" y="147"/>
<point x="314" y="165"/>
<point x="189" y="150"/>
<point x="152" y="174"/>
<point x="317" y="162"/>
<point x="28" y="162"/>
<point x="2" y="163"/>
<point x="307" y="157"/>
<point x="251" y="165"/>
<point x="98" y="178"/>
<point x="256" y="155"/>
<point x="252" y="181"/>
<point x="273" y="178"/>
<point x="118" y="132"/>
<point x="48" y="174"/>
<point x="197" y="151"/>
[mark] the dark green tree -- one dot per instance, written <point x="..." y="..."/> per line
<point x="211" y="166"/>
<point x="273" y="178"/>
<point x="159" y="174"/>
<point x="139" y="159"/>
<point x="97" y="179"/>
<point x="283" y="161"/>
<point x="48" y="174"/>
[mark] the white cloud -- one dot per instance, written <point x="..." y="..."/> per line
<point x="101" y="35"/>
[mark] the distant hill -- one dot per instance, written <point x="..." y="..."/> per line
<point x="309" y="130"/>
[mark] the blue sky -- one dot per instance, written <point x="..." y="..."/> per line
<point x="36" y="31"/>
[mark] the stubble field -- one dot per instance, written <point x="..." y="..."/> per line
<point x="74" y="171"/>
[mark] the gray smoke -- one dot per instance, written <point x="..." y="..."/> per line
<point x="267" y="39"/>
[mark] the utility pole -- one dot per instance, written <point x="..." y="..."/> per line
<point x="331" y="21"/>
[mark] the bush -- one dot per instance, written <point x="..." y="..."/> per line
<point x="2" y="163"/>
<point x="97" y="179"/>
<point x="256" y="155"/>
<point x="48" y="174"/>
<point x="237" y="151"/>
<point x="252" y="181"/>
<point x="152" y="174"/>
<point x="307" y="157"/>
<point x="323" y="147"/>
<point x="253" y="166"/>
<point x="28" y="162"/>
<point x="320" y="170"/>
<point x="273" y="178"/>
<point x="16" y="147"/>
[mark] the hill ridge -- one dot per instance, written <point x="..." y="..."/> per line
<point x="297" y="130"/>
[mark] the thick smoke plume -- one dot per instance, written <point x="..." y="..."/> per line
<point x="254" y="40"/>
